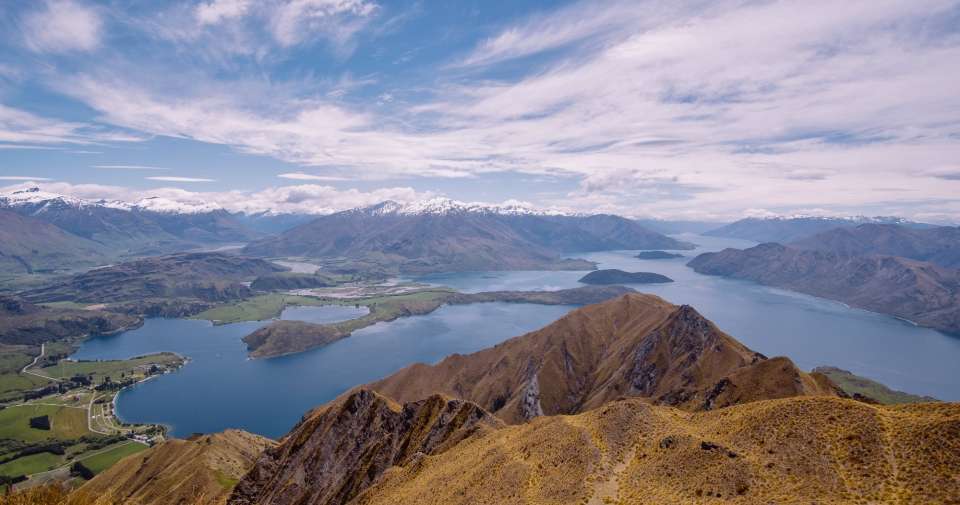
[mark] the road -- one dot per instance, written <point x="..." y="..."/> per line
<point x="26" y="369"/>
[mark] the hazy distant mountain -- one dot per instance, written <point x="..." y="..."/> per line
<point x="939" y="245"/>
<point x="789" y="229"/>
<point x="29" y="245"/>
<point x="444" y="235"/>
<point x="270" y="223"/>
<point x="921" y="292"/>
<point x="671" y="227"/>
<point x="151" y="225"/>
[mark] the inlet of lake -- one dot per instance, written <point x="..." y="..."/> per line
<point x="220" y="388"/>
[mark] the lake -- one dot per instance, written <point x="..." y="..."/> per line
<point x="220" y="388"/>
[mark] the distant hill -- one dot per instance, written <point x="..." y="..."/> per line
<point x="29" y="245"/>
<point x="203" y="276"/>
<point x="789" y="229"/>
<point x="444" y="235"/>
<point x="939" y="245"/>
<point x="149" y="226"/>
<point x="633" y="346"/>
<point x="921" y="292"/>
<point x="23" y="323"/>
<point x="199" y="471"/>
<point x="869" y="390"/>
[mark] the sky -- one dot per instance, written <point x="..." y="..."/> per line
<point x="679" y="109"/>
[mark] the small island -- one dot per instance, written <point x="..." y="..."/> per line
<point x="658" y="255"/>
<point x="614" y="276"/>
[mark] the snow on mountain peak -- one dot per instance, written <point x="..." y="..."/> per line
<point x="447" y="206"/>
<point x="36" y="198"/>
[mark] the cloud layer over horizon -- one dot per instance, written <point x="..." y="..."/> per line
<point x="692" y="109"/>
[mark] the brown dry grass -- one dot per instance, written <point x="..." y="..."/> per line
<point x="796" y="450"/>
<point x="53" y="494"/>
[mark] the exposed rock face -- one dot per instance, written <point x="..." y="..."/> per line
<point x="198" y="471"/>
<point x="921" y="292"/>
<point x="635" y="345"/>
<point x="339" y="450"/>
<point x="204" y="276"/>
<point x="614" y="276"/>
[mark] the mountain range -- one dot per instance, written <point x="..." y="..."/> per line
<point x="633" y="400"/>
<point x="442" y="235"/>
<point x="29" y="245"/>
<point x="789" y="229"/>
<point x="939" y="245"/>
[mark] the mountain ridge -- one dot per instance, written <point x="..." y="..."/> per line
<point x="920" y="292"/>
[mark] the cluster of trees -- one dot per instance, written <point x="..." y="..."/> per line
<point x="40" y="423"/>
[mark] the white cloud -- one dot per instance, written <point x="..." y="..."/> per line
<point x="22" y="178"/>
<point x="691" y="108"/>
<point x="305" y="198"/>
<point x="294" y="21"/>
<point x="214" y="11"/>
<point x="180" y="179"/>
<point x="63" y="26"/>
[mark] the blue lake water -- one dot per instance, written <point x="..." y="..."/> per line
<point x="220" y="388"/>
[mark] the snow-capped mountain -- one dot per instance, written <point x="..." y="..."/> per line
<point x="447" y="206"/>
<point x="785" y="229"/>
<point x="37" y="199"/>
<point x="440" y="235"/>
<point x="150" y="225"/>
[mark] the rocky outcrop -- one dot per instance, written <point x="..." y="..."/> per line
<point x="339" y="450"/>
<point x="924" y="293"/>
<point x="633" y="346"/>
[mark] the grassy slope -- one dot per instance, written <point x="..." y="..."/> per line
<point x="67" y="423"/>
<point x="101" y="369"/>
<point x="34" y="463"/>
<point x="100" y="462"/>
<point x="257" y="308"/>
<point x="854" y="384"/>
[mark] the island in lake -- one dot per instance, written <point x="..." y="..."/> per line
<point x="615" y="276"/>
<point x="658" y="255"/>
